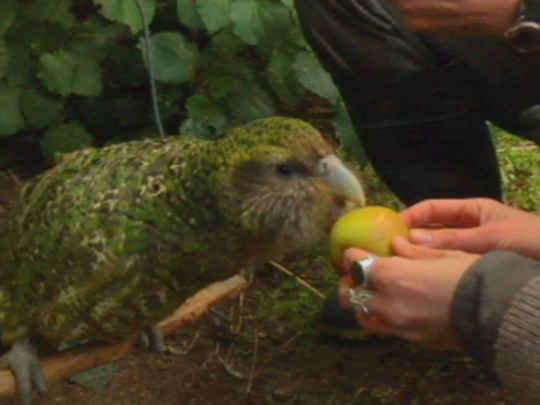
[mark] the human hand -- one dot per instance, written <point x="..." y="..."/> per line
<point x="474" y="225"/>
<point x="413" y="292"/>
<point x="459" y="16"/>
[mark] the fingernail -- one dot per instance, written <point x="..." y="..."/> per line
<point x="420" y="237"/>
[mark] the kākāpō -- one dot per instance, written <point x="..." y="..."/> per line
<point x="111" y="240"/>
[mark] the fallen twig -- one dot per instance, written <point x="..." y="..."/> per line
<point x="238" y="327"/>
<point x="300" y="280"/>
<point x="230" y="369"/>
<point x="253" y="363"/>
<point x="14" y="178"/>
<point x="66" y="364"/>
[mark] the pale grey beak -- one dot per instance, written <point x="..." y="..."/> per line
<point x="332" y="169"/>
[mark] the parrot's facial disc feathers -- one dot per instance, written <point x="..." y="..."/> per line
<point x="293" y="187"/>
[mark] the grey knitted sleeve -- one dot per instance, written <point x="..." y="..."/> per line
<point x="517" y="349"/>
<point x="496" y="314"/>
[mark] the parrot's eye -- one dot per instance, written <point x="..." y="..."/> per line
<point x="291" y="169"/>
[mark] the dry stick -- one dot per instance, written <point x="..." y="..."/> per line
<point x="67" y="364"/>
<point x="240" y="312"/>
<point x="300" y="281"/>
<point x="253" y="363"/>
<point x="14" y="178"/>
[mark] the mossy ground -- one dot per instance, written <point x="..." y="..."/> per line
<point x="267" y="349"/>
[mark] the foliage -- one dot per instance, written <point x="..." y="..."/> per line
<point x="520" y="170"/>
<point x="83" y="63"/>
<point x="290" y="302"/>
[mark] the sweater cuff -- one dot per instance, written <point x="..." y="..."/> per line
<point x="483" y="295"/>
<point x="517" y="358"/>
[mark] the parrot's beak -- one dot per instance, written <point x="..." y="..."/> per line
<point x="341" y="178"/>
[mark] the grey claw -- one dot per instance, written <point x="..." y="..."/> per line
<point x="153" y="340"/>
<point x="23" y="362"/>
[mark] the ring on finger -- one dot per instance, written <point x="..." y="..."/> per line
<point x="361" y="269"/>
<point x="360" y="298"/>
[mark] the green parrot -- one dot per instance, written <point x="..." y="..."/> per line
<point x="110" y="241"/>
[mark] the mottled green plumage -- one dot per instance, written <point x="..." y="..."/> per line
<point x="111" y="240"/>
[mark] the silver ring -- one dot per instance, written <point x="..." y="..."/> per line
<point x="360" y="298"/>
<point x="361" y="269"/>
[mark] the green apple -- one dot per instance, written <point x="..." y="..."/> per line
<point x="370" y="228"/>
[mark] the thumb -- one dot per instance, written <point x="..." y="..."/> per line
<point x="353" y="254"/>
<point x="404" y="248"/>
<point x="476" y="240"/>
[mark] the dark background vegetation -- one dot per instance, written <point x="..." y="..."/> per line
<point x="73" y="73"/>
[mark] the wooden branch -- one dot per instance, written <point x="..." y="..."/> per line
<point x="298" y="279"/>
<point x="66" y="364"/>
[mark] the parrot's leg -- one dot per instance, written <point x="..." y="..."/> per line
<point x="23" y="362"/>
<point x="153" y="340"/>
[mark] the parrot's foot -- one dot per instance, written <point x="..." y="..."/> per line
<point x="153" y="340"/>
<point x="23" y="362"/>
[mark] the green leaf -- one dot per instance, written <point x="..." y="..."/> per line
<point x="220" y="86"/>
<point x="96" y="36"/>
<point x="260" y="22"/>
<point x="8" y="12"/>
<point x="97" y="379"/>
<point x="288" y="3"/>
<point x="66" y="73"/>
<point x="226" y="43"/>
<point x="63" y="139"/>
<point x="54" y="11"/>
<point x="4" y="58"/>
<point x="175" y="59"/>
<point x="347" y="134"/>
<point x="11" y="119"/>
<point x="39" y="36"/>
<point x="207" y="113"/>
<point x="194" y="128"/>
<point x="282" y="76"/>
<point x="215" y="13"/>
<point x="251" y="102"/>
<point x="39" y="110"/>
<point x="188" y="15"/>
<point x="21" y="68"/>
<point x="128" y="12"/>
<point x="246" y="24"/>
<point x="314" y="78"/>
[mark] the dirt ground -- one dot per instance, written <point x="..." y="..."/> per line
<point x="278" y="365"/>
<point x="235" y="355"/>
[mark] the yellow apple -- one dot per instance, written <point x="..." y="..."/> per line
<point x="370" y="228"/>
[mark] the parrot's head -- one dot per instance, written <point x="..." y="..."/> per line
<point x="287" y="182"/>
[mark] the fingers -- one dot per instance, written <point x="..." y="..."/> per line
<point x="374" y="324"/>
<point x="474" y="240"/>
<point x="370" y="319"/>
<point x="404" y="248"/>
<point x="403" y="298"/>
<point x="353" y="255"/>
<point x="459" y="213"/>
